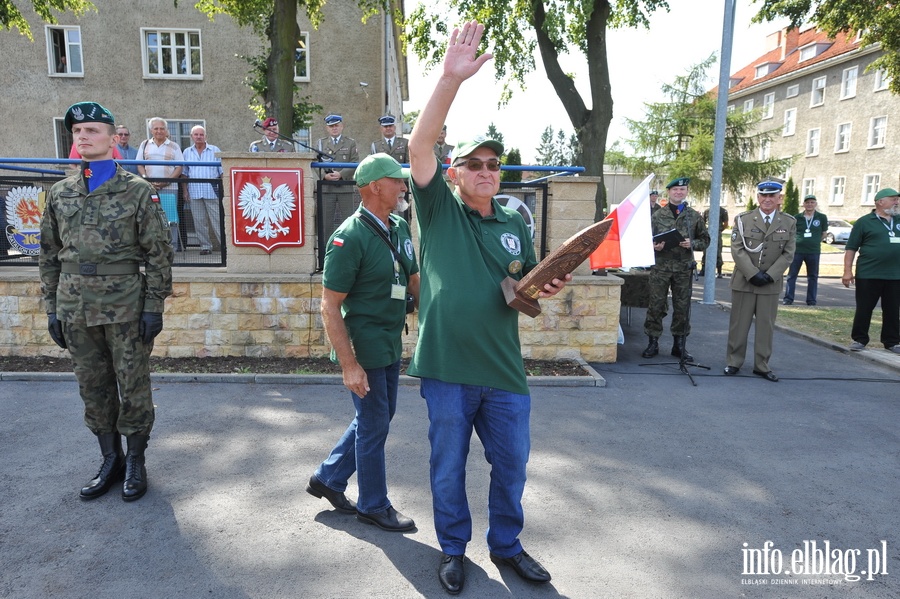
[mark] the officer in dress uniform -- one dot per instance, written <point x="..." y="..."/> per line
<point x="389" y="143"/>
<point x="762" y="246"/>
<point x="270" y="141"/>
<point x="99" y="226"/>
<point x="340" y="147"/>
<point x="442" y="149"/>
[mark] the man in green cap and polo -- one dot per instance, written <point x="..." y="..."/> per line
<point x="811" y="228"/>
<point x="99" y="226"/>
<point x="673" y="268"/>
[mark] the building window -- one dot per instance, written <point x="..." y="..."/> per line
<point x="837" y="191"/>
<point x="765" y="149"/>
<point x="790" y="121"/>
<point x="877" y="131"/>
<point x="792" y="91"/>
<point x="818" y="92"/>
<point x="882" y="80"/>
<point x="172" y="53"/>
<point x="842" y="138"/>
<point x="848" y="83"/>
<point x="871" y="185"/>
<point x="768" y="106"/>
<point x="731" y="108"/>
<point x="808" y="188"/>
<point x="301" y="58"/>
<point x="748" y="105"/>
<point x="64" y="52"/>
<point x="812" y="142"/>
<point x="63" y="138"/>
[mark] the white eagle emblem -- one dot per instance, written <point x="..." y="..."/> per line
<point x="266" y="208"/>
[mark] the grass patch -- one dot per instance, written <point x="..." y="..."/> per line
<point x="830" y="324"/>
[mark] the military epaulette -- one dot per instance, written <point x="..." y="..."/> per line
<point x="744" y="212"/>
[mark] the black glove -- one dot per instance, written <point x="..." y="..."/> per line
<point x="769" y="278"/>
<point x="759" y="279"/>
<point x="150" y="326"/>
<point x="54" y="327"/>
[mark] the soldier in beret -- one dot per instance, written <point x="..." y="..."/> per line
<point x="389" y="143"/>
<point x="762" y="246"/>
<point x="673" y="269"/>
<point x="270" y="141"/>
<point x="340" y="147"/>
<point x="98" y="227"/>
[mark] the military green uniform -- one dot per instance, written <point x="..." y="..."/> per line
<point x="673" y="270"/>
<point x="344" y="150"/>
<point x="442" y="152"/>
<point x="398" y="148"/>
<point x="91" y="247"/>
<point x="264" y="145"/>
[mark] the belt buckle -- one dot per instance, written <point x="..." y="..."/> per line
<point x="87" y="270"/>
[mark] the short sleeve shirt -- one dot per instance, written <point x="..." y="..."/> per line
<point x="816" y="225"/>
<point x="878" y="257"/>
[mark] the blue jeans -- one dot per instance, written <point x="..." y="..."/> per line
<point x="812" y="277"/>
<point x="501" y="420"/>
<point x="361" y="448"/>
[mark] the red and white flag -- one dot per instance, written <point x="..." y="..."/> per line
<point x="629" y="242"/>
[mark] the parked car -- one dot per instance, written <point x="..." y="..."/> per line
<point x="838" y="231"/>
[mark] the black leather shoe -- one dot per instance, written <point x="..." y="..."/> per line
<point x="390" y="520"/>
<point x="338" y="500"/>
<point x="732" y="370"/>
<point x="451" y="573"/>
<point x="525" y="566"/>
<point x="769" y="376"/>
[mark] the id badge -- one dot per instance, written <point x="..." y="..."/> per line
<point x="807" y="234"/>
<point x="895" y="239"/>
<point x="398" y="292"/>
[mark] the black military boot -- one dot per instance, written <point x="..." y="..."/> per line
<point x="135" y="472"/>
<point x="679" y="349"/>
<point x="111" y="469"/>
<point x="652" y="347"/>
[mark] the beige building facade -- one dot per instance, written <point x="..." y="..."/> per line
<point x="149" y="58"/>
<point x="825" y="109"/>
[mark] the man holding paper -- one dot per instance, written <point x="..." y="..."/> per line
<point x="674" y="265"/>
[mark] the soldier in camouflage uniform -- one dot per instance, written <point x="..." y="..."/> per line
<point x="673" y="270"/>
<point x="98" y="226"/>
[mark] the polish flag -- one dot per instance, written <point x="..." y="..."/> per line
<point x="629" y="242"/>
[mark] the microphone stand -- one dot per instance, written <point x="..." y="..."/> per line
<point x="322" y="156"/>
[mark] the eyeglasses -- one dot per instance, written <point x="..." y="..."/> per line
<point x="473" y="164"/>
<point x="124" y="134"/>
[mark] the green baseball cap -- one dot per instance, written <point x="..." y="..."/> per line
<point x="464" y="148"/>
<point x="87" y="112"/>
<point x="887" y="192"/>
<point x="378" y="166"/>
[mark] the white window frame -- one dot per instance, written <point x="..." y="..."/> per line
<point x="72" y="41"/>
<point x="877" y="132"/>
<point x="817" y="96"/>
<point x="848" y="83"/>
<point x="765" y="149"/>
<point x="842" y="134"/>
<point x="768" y="106"/>
<point x="813" y="141"/>
<point x="62" y="138"/>
<point x="808" y="187"/>
<point x="871" y="185"/>
<point x="882" y="80"/>
<point x="302" y="49"/>
<point x="790" y="122"/>
<point x="792" y="90"/>
<point x="837" y="190"/>
<point x="187" y="48"/>
<point x="748" y="105"/>
<point x="808" y="51"/>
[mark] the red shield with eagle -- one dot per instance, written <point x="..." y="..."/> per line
<point x="267" y="207"/>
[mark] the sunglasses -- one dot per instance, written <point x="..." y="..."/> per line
<point x="473" y="164"/>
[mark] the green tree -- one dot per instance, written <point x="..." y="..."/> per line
<point x="10" y="16"/>
<point x="675" y="137"/>
<point x="512" y="158"/>
<point x="492" y="133"/>
<point x="877" y="20"/>
<point x="791" y="198"/>
<point x="515" y="28"/>
<point x="276" y="22"/>
<point x="556" y="150"/>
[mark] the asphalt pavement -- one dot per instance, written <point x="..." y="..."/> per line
<point x="649" y="487"/>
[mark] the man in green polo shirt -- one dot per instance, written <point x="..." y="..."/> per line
<point x="811" y="228"/>
<point x="370" y="267"/>
<point x="876" y="236"/>
<point x="468" y="354"/>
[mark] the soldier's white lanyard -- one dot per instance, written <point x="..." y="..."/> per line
<point x="740" y="223"/>
<point x="889" y="227"/>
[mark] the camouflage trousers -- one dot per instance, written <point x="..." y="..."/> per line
<point x="112" y="366"/>
<point x="659" y="284"/>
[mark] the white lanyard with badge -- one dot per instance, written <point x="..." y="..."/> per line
<point x="398" y="291"/>
<point x="890" y="229"/>
<point x="809" y="222"/>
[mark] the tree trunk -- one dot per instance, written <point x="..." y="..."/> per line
<point x="280" y="72"/>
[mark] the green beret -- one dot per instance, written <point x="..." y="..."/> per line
<point x="887" y="192"/>
<point x="88" y="112"/>
<point x="685" y="181"/>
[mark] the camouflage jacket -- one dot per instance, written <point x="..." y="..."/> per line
<point x="119" y="222"/>
<point x="690" y="224"/>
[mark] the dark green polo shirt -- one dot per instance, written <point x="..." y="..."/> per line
<point x="817" y="226"/>
<point x="878" y="258"/>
